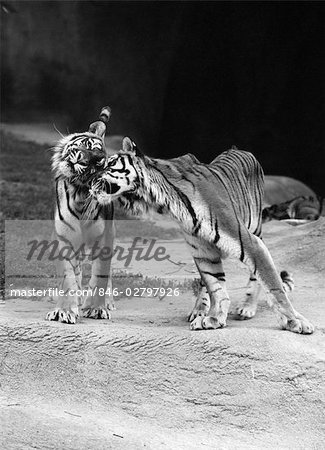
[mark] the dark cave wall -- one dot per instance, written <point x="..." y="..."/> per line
<point x="259" y="86"/>
<point x="72" y="58"/>
<point x="180" y="76"/>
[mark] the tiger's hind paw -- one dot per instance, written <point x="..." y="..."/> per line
<point x="62" y="315"/>
<point x="245" y="311"/>
<point x="99" y="312"/>
<point x="298" y="325"/>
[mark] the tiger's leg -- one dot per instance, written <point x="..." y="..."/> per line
<point x="202" y="304"/>
<point x="247" y="309"/>
<point x="260" y="262"/>
<point x="208" y="261"/>
<point x="99" y="301"/>
<point x="213" y="276"/>
<point x="69" y="271"/>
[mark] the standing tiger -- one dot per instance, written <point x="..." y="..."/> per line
<point x="218" y="207"/>
<point x="75" y="158"/>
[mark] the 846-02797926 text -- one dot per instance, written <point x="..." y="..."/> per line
<point x="115" y="292"/>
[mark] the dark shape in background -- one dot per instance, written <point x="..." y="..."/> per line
<point x="180" y="76"/>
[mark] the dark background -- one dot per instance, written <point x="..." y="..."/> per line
<point x="180" y="76"/>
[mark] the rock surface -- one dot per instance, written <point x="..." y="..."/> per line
<point x="144" y="380"/>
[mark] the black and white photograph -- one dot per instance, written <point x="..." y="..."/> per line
<point x="162" y="225"/>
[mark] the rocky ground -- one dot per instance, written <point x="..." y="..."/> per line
<point x="144" y="380"/>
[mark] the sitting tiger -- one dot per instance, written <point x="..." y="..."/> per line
<point x="218" y="207"/>
<point x="75" y="158"/>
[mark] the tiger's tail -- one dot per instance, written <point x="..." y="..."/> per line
<point x="287" y="281"/>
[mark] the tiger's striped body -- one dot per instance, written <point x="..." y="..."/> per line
<point x="218" y="207"/>
<point x="75" y="158"/>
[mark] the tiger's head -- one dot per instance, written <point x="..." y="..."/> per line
<point x="79" y="155"/>
<point x="121" y="174"/>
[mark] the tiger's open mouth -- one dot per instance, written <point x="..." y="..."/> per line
<point x="102" y="190"/>
<point x="112" y="188"/>
<point x="86" y="173"/>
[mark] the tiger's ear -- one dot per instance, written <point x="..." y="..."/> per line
<point x="99" y="127"/>
<point x="130" y="146"/>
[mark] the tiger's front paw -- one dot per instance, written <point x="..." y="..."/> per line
<point x="200" y="311"/>
<point x="63" y="315"/>
<point x="97" y="312"/>
<point x="98" y="302"/>
<point x="208" y="323"/>
<point x="298" y="325"/>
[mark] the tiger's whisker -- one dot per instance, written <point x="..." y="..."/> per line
<point x="57" y="130"/>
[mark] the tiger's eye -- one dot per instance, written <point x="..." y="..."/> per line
<point x="101" y="162"/>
